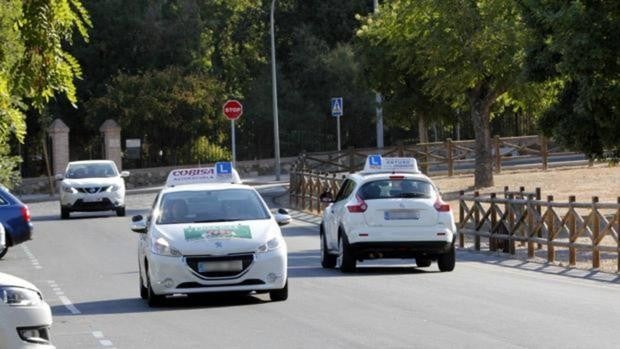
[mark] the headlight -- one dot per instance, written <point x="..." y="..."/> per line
<point x="271" y="245"/>
<point x="162" y="247"/>
<point x="114" y="188"/>
<point x="19" y="296"/>
<point x="68" y="189"/>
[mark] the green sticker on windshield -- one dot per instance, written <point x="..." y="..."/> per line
<point x="218" y="232"/>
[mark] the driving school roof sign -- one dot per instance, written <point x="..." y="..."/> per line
<point x="377" y="163"/>
<point x="222" y="172"/>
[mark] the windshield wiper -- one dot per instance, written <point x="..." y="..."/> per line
<point x="215" y="220"/>
<point x="413" y="195"/>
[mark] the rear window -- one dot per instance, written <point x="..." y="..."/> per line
<point x="396" y="188"/>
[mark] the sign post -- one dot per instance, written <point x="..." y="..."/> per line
<point x="233" y="109"/>
<point x="337" y="113"/>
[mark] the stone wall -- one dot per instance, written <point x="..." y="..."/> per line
<point x="156" y="176"/>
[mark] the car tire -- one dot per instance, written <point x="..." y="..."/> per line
<point x="144" y="292"/>
<point x="64" y="213"/>
<point x="447" y="260"/>
<point x="120" y="211"/>
<point x="152" y="299"/>
<point x="345" y="260"/>
<point x="328" y="261"/>
<point x="3" y="251"/>
<point x="279" y="295"/>
<point x="423" y="262"/>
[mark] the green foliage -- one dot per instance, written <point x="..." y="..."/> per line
<point x="202" y="151"/>
<point x="172" y="108"/>
<point x="577" y="42"/>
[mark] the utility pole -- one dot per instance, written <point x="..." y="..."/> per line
<point x="276" y="130"/>
<point x="378" y="99"/>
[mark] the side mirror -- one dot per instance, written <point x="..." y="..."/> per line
<point x="59" y="177"/>
<point x="138" y="224"/>
<point x="283" y="217"/>
<point x="125" y="174"/>
<point x="326" y="197"/>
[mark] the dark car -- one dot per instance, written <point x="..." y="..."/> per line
<point x="15" y="218"/>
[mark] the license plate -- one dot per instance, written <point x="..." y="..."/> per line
<point x="92" y="199"/>
<point x="401" y="214"/>
<point x="204" y="267"/>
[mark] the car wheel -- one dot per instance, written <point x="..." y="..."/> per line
<point x="120" y="211"/>
<point x="327" y="260"/>
<point x="3" y="251"/>
<point x="423" y="262"/>
<point x="279" y="295"/>
<point x="64" y="213"/>
<point x="153" y="299"/>
<point x="144" y="292"/>
<point x="447" y="260"/>
<point x="345" y="260"/>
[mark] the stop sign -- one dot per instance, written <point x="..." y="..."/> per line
<point x="233" y="109"/>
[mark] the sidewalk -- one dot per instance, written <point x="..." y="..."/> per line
<point x="258" y="181"/>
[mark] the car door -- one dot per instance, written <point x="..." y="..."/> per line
<point x="335" y="212"/>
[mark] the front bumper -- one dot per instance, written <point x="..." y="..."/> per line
<point x="12" y="318"/>
<point x="93" y="202"/>
<point x="172" y="275"/>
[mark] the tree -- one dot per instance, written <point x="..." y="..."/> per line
<point x="34" y="66"/>
<point x="577" y="44"/>
<point x="458" y="48"/>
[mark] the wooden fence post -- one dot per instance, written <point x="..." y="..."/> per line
<point x="530" y="224"/>
<point x="426" y="159"/>
<point x="351" y="159"/>
<point x="596" y="229"/>
<point x="572" y="232"/>
<point x="401" y="149"/>
<point x="476" y="220"/>
<point x="493" y="214"/>
<point x="318" y="194"/>
<point x="511" y="222"/>
<point x="544" y="152"/>
<point x="550" y="231"/>
<point x="462" y="216"/>
<point x="498" y="156"/>
<point x="618" y="231"/>
<point x="449" y="159"/>
<point x="539" y="211"/>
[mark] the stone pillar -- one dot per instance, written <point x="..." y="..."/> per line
<point x="59" y="132"/>
<point x="112" y="142"/>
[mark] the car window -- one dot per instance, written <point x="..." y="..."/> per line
<point x="3" y="201"/>
<point x="211" y="206"/>
<point x="395" y="188"/>
<point x="345" y="190"/>
<point x="100" y="170"/>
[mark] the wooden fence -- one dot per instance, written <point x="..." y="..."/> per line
<point x="438" y="157"/>
<point x="522" y="217"/>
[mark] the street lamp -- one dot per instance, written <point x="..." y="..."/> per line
<point x="276" y="131"/>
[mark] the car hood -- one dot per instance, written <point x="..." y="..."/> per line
<point x="10" y="280"/>
<point x="220" y="238"/>
<point x="92" y="182"/>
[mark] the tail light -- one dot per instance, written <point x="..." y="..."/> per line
<point x="441" y="206"/>
<point x="359" y="207"/>
<point x="25" y="213"/>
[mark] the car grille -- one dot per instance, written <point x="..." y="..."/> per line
<point x="249" y="282"/>
<point x="92" y="190"/>
<point x="246" y="261"/>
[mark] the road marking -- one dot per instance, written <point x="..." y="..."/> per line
<point x="101" y="338"/>
<point x="63" y="299"/>
<point x="33" y="260"/>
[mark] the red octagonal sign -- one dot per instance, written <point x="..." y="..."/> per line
<point x="233" y="109"/>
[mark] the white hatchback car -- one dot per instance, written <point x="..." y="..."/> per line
<point x="25" y="318"/>
<point x="206" y="232"/>
<point x="388" y="210"/>
<point x="94" y="185"/>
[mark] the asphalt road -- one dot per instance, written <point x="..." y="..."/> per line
<point x="87" y="269"/>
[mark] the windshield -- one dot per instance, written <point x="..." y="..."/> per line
<point x="102" y="170"/>
<point x="211" y="206"/>
<point x="396" y="188"/>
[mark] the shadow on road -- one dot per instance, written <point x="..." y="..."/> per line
<point x="138" y="305"/>
<point x="87" y="215"/>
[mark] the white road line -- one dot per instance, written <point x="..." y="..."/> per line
<point x="67" y="303"/>
<point x="98" y="334"/>
<point x="104" y="342"/>
<point x="33" y="260"/>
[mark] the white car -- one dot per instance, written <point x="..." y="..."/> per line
<point x="388" y="210"/>
<point x="206" y="232"/>
<point x="94" y="185"/>
<point x="25" y="318"/>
